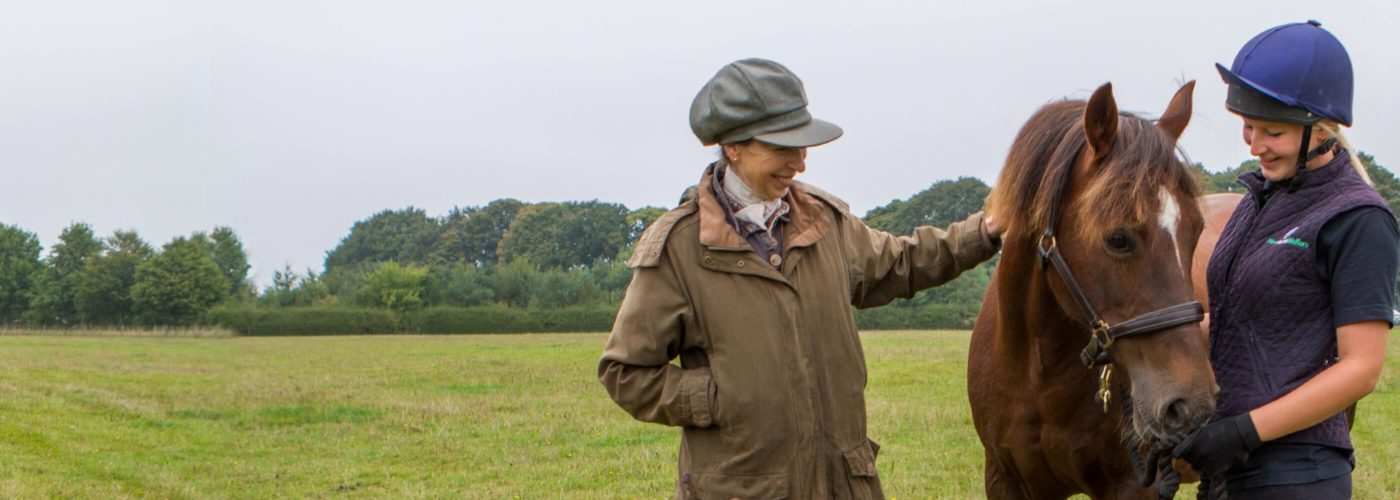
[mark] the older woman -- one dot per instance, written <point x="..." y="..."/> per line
<point x="750" y="282"/>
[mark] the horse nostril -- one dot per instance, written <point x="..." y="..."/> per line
<point x="1176" y="416"/>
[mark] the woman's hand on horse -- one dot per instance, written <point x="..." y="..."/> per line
<point x="991" y="228"/>
<point x="1219" y="445"/>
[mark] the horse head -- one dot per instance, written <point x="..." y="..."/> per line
<point x="1132" y="223"/>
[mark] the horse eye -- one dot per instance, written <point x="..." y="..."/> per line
<point x="1118" y="241"/>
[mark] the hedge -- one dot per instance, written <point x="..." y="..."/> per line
<point x="259" y="321"/>
<point x="303" y="320"/>
<point x="498" y="318"/>
<point x="929" y="316"/>
<point x="502" y="319"/>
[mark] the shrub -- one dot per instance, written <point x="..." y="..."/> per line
<point x="304" y="320"/>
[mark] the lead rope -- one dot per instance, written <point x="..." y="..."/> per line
<point x="1168" y="479"/>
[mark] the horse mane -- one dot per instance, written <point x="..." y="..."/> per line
<point x="1121" y="193"/>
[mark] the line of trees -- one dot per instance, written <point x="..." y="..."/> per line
<point x="507" y="265"/>
<point x="542" y="256"/>
<point x="119" y="280"/>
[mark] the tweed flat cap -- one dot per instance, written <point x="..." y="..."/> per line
<point x="757" y="99"/>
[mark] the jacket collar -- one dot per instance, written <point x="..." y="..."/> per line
<point x="805" y="224"/>
<point x="1339" y="166"/>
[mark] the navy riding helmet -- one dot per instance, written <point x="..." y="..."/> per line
<point x="1294" y="73"/>
<point x="1299" y="66"/>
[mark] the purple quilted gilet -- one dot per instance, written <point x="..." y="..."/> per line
<point x="1270" y="312"/>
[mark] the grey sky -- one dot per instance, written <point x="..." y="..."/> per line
<point x="291" y="120"/>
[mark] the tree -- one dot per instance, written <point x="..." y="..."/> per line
<point x="941" y="204"/>
<point x="289" y="289"/>
<point x="56" y="299"/>
<point x="1227" y="181"/>
<point x="612" y="279"/>
<point x="406" y="235"/>
<point x="565" y="287"/>
<point x="473" y="234"/>
<point x="564" y="235"/>
<point x="19" y="267"/>
<point x="281" y="292"/>
<point x="639" y="220"/>
<point x="945" y="202"/>
<point x="179" y="284"/>
<point x="1386" y="183"/>
<point x="461" y="285"/>
<point x="227" y="252"/>
<point x="394" y="286"/>
<point x="515" y="282"/>
<point x="344" y="282"/>
<point x="104" y="293"/>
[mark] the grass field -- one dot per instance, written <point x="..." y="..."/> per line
<point x="490" y="416"/>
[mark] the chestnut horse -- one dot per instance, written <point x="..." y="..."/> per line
<point x="1128" y="222"/>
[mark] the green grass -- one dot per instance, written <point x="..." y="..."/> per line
<point x="491" y="416"/>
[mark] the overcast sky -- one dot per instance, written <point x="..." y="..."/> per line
<point x="291" y="120"/>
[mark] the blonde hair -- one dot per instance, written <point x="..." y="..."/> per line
<point x="1332" y="128"/>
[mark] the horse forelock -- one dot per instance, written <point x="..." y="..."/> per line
<point x="1125" y="190"/>
<point x="1122" y="189"/>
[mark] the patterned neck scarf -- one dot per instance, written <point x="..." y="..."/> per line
<point x="745" y="206"/>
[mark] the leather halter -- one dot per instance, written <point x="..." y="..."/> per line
<point x="1102" y="334"/>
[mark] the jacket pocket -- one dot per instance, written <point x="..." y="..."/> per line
<point x="864" y="480"/>
<point x="698" y="390"/>
<point x="726" y="487"/>
<point x="860" y="461"/>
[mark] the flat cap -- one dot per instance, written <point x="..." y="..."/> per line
<point x="757" y="99"/>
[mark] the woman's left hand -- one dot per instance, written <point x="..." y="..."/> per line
<point x="1219" y="445"/>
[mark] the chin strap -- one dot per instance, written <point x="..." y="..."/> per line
<point x="1297" y="180"/>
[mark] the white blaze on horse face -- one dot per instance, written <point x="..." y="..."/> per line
<point x="1169" y="218"/>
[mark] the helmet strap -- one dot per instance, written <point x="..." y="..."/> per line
<point x="1303" y="159"/>
<point x="1323" y="148"/>
<point x="1297" y="179"/>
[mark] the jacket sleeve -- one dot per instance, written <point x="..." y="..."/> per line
<point x="636" y="368"/>
<point x="885" y="267"/>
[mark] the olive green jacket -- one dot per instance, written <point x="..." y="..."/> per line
<point x="770" y="386"/>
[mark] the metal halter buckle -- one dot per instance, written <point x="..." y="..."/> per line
<point x="1101" y="331"/>
<point x="1096" y="353"/>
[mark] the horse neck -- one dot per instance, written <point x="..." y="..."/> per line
<point x="1040" y="334"/>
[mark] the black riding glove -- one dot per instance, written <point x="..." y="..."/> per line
<point x="1220" y="445"/>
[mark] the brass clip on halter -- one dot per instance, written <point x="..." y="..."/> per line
<point x="1104" y="393"/>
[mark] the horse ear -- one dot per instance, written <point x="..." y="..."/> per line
<point x="1178" y="113"/>
<point x="1101" y="120"/>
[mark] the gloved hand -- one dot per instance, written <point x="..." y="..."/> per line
<point x="1220" y="445"/>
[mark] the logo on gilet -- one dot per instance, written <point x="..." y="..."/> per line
<point x="1288" y="239"/>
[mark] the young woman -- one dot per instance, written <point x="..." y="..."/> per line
<point x="1301" y="282"/>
